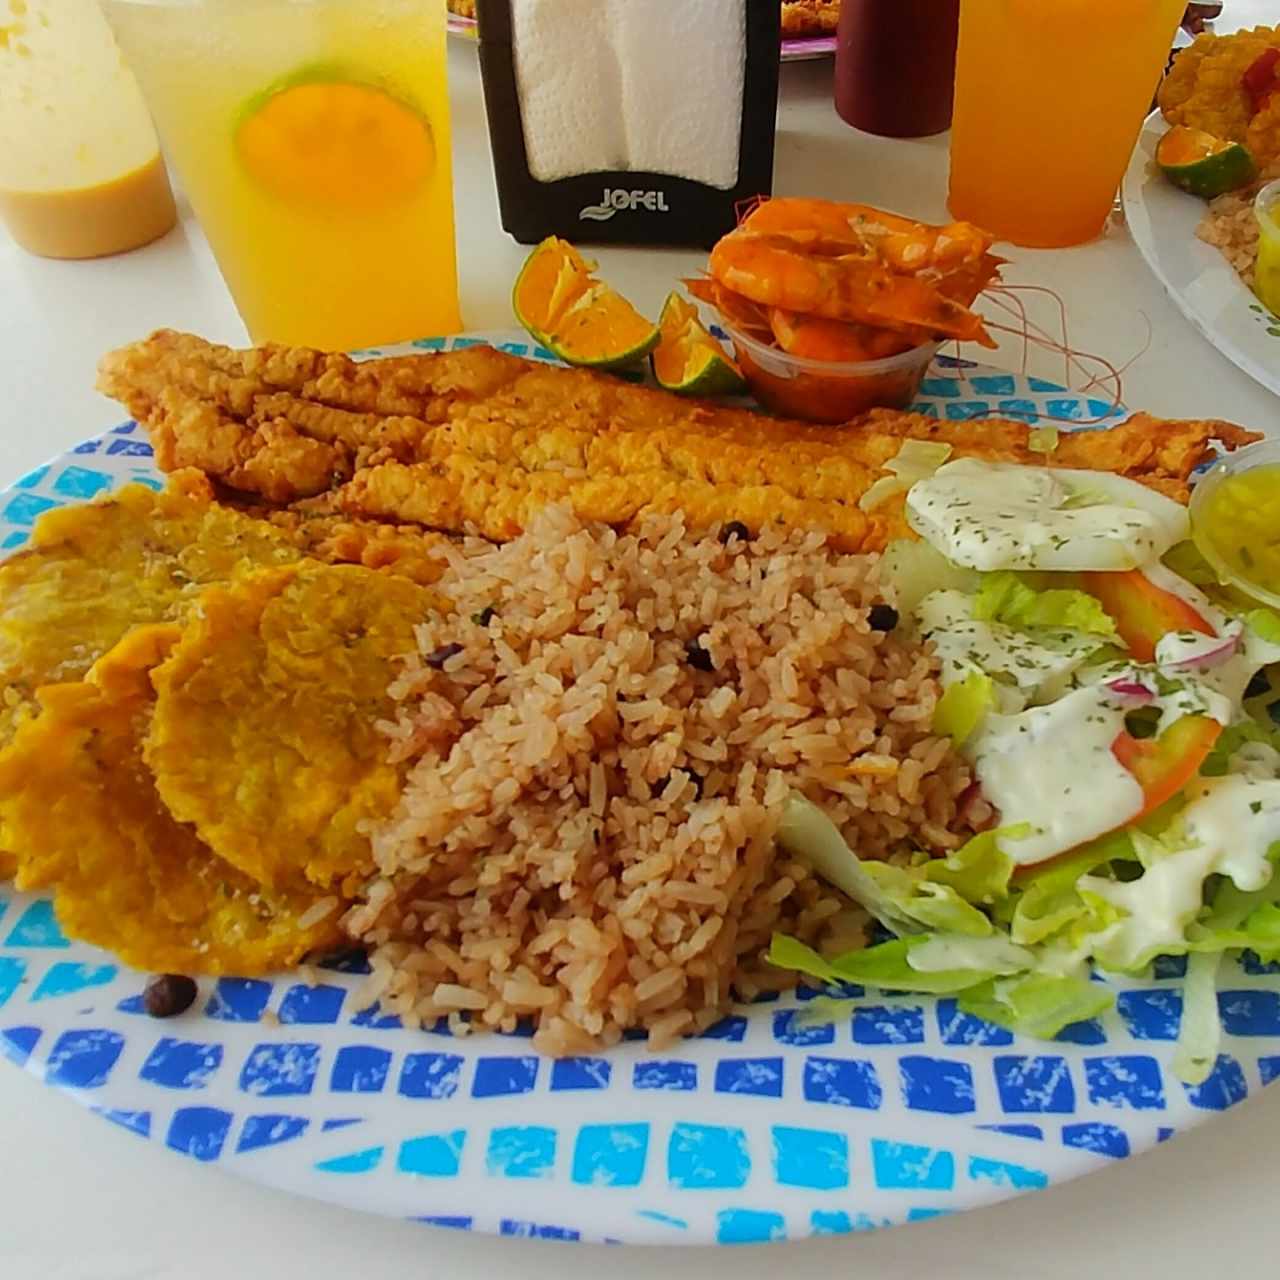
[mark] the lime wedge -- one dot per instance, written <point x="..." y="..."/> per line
<point x="688" y="360"/>
<point x="579" y="318"/>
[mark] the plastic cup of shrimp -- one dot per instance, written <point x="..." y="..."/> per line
<point x="828" y="391"/>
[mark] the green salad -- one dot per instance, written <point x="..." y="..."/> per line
<point x="1115" y="706"/>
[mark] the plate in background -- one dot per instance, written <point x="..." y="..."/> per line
<point x="1195" y="275"/>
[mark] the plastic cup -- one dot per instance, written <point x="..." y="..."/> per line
<point x="1050" y="97"/>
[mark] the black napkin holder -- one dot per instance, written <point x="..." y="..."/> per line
<point x="609" y="207"/>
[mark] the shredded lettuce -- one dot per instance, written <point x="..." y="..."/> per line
<point x="1230" y="741"/>
<point x="915" y="460"/>
<point x="1014" y="949"/>
<point x="904" y="900"/>
<point x="885" y="966"/>
<point x="807" y="833"/>
<point x="1006" y="597"/>
<point x="1050" y="901"/>
<point x="1037" y="1004"/>
<point x="980" y="870"/>
<point x="963" y="706"/>
<point x="913" y="569"/>
<point x="1043" y="439"/>
<point x="1200" y="1031"/>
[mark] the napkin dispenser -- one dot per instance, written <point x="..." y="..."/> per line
<point x="629" y="121"/>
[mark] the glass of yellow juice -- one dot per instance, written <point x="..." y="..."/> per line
<point x="312" y="137"/>
<point x="1050" y="97"/>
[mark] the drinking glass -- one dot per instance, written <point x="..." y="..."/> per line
<point x="312" y="137"/>
<point x="1050" y="97"/>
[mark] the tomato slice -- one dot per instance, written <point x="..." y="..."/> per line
<point x="1143" y="612"/>
<point x="1165" y="764"/>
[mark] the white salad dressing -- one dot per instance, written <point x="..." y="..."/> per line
<point x="1052" y="768"/>
<point x="1157" y="907"/>
<point x="993" y="515"/>
<point x="1226" y="828"/>
<point x="1025" y="669"/>
<point x="945" y="951"/>
<point x="1239" y="817"/>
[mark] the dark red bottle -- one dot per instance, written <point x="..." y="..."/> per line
<point x="896" y="65"/>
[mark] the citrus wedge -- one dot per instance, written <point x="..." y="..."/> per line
<point x="688" y="360"/>
<point x="574" y="315"/>
<point x="1202" y="164"/>
<point x="318" y="139"/>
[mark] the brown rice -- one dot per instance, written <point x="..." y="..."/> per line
<point x="586" y="833"/>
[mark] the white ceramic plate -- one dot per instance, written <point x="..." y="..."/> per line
<point x="1196" y="276"/>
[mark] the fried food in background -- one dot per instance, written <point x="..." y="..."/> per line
<point x="484" y="439"/>
<point x="1205" y="89"/>
<point x="265" y="732"/>
<point x="80" y="810"/>
<point x="463" y="8"/>
<point x="807" y="18"/>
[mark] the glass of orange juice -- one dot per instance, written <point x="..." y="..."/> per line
<point x="1050" y="96"/>
<point x="312" y="137"/>
<point x="80" y="168"/>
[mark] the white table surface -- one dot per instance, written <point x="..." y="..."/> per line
<point x="83" y="1200"/>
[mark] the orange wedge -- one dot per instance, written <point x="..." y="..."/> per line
<point x="579" y="318"/>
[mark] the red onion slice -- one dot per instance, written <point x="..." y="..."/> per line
<point x="1217" y="650"/>
<point x="1131" y="691"/>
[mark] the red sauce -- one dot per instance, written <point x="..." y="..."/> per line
<point x="895" y="65"/>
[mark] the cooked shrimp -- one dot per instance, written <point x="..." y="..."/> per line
<point x="772" y="271"/>
<point x="825" y="226"/>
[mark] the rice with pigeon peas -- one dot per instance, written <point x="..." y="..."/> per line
<point x="600" y="741"/>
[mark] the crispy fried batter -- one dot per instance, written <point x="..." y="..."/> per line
<point x="81" y="812"/>
<point x="265" y="730"/>
<point x="484" y="439"/>
<point x="805" y="18"/>
<point x="283" y="422"/>
<point x="1204" y="88"/>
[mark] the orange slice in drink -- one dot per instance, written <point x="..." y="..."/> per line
<point x="583" y="321"/>
<point x="336" y="144"/>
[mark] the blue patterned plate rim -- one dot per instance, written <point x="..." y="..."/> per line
<point x="764" y="1128"/>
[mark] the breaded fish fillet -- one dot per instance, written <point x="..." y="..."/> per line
<point x="83" y="816"/>
<point x="265" y="732"/>
<point x="483" y="439"/>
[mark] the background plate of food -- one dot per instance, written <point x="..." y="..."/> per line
<point x="808" y="29"/>
<point x="209" y="797"/>
<point x="1190" y="190"/>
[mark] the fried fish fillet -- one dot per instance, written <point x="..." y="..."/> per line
<point x="265" y="731"/>
<point x="481" y="439"/>
<point x="83" y="816"/>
